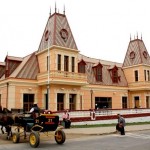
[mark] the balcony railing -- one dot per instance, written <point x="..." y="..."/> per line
<point x="62" y="75"/>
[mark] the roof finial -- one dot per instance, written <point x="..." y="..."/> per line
<point x="141" y="36"/>
<point x="137" y="35"/>
<point x="64" y="9"/>
<point x="55" y="7"/>
<point x="50" y="11"/>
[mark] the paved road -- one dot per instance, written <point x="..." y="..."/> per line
<point x="136" y="140"/>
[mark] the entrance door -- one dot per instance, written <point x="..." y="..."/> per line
<point x="147" y="101"/>
<point x="28" y="100"/>
<point x="72" y="101"/>
<point x="46" y="102"/>
<point x="103" y="102"/>
<point x="136" y="101"/>
<point x="60" y="101"/>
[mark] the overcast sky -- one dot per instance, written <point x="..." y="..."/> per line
<point x="101" y="28"/>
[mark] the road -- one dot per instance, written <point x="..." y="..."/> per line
<point x="131" y="141"/>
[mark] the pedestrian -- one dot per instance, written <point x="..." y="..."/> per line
<point x="121" y="124"/>
<point x="66" y="119"/>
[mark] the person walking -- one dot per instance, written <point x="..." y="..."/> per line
<point x="121" y="124"/>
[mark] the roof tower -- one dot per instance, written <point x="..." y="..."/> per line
<point x="57" y="32"/>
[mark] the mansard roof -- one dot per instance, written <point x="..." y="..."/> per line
<point x="28" y="68"/>
<point x="136" y="54"/>
<point x="106" y="77"/>
<point x="57" y="32"/>
<point x="2" y="69"/>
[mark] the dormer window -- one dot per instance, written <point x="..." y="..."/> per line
<point x="81" y="66"/>
<point x="145" y="54"/>
<point x="98" y="72"/>
<point x="114" y="74"/>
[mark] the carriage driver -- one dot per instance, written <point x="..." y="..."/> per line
<point x="35" y="110"/>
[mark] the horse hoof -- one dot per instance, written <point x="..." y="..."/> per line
<point x="8" y="137"/>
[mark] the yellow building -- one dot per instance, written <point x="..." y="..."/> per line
<point x="58" y="77"/>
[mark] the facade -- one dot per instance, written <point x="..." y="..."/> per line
<point x="58" y="77"/>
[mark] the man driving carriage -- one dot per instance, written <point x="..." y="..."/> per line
<point x="35" y="110"/>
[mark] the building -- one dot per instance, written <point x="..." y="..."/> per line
<point x="58" y="77"/>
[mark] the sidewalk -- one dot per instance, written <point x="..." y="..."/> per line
<point x="105" y="130"/>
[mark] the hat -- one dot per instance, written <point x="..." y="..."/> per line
<point x="35" y="103"/>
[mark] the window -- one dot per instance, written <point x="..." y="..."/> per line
<point x="59" y="62"/>
<point x="124" y="102"/>
<point x="115" y="76"/>
<point x="148" y="75"/>
<point x="66" y="63"/>
<point x="136" y="75"/>
<point x="81" y="66"/>
<point x="98" y="72"/>
<point x="145" y="74"/>
<point x="47" y="63"/>
<point x="73" y="63"/>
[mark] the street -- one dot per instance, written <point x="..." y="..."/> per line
<point x="131" y="141"/>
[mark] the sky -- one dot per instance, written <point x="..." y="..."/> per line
<point x="101" y="28"/>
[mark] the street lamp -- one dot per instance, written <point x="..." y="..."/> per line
<point x="91" y="98"/>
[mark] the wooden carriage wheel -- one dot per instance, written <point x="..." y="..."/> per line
<point x="16" y="137"/>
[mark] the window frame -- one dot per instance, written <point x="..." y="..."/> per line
<point x="81" y="66"/>
<point x="115" y="75"/>
<point x="136" y="75"/>
<point x="66" y="63"/>
<point x="73" y="64"/>
<point x="59" y="62"/>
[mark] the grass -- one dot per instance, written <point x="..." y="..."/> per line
<point x="107" y="125"/>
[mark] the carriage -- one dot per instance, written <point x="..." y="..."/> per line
<point x="26" y="125"/>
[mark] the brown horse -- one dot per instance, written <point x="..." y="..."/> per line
<point x="6" y="120"/>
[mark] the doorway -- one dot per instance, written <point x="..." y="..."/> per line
<point x="136" y="102"/>
<point x="72" y="101"/>
<point x="28" y="100"/>
<point x="147" y="101"/>
<point x="60" y="101"/>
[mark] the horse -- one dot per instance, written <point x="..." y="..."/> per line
<point x="6" y="120"/>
